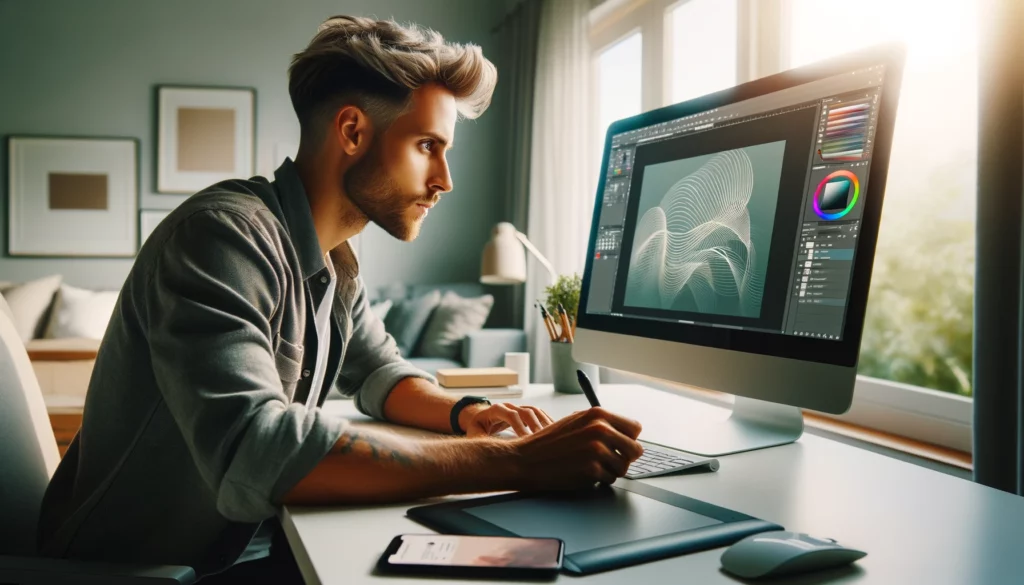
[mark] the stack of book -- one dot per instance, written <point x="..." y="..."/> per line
<point x="487" y="382"/>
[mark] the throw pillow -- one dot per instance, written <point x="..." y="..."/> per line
<point x="5" y="309"/>
<point x="381" y="308"/>
<point x="78" y="312"/>
<point x="30" y="302"/>
<point x="453" y="319"/>
<point x="406" y="319"/>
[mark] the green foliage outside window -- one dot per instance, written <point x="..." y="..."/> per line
<point x="918" y="328"/>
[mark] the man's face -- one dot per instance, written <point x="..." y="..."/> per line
<point x="405" y="170"/>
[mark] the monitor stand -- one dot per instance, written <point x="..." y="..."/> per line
<point x="754" y="424"/>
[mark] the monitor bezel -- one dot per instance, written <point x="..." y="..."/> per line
<point x="842" y="352"/>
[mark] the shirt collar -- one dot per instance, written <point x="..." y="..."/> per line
<point x="298" y="219"/>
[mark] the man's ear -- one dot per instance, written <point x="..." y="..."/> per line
<point x="352" y="129"/>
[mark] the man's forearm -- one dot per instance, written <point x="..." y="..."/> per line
<point x="416" y="402"/>
<point x="369" y="466"/>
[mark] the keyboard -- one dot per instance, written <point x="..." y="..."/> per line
<point x="655" y="462"/>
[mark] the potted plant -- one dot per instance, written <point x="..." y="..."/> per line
<point x="565" y="292"/>
<point x="564" y="295"/>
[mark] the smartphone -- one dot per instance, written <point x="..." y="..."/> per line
<point x="481" y="557"/>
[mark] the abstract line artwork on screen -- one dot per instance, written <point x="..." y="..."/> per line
<point x="697" y="241"/>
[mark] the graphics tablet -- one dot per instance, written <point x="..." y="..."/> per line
<point x="604" y="528"/>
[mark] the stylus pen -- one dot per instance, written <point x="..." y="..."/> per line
<point x="588" y="388"/>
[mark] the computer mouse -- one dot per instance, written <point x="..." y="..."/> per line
<point x="771" y="554"/>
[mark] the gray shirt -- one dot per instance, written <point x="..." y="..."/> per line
<point x="259" y="546"/>
<point x="195" y="422"/>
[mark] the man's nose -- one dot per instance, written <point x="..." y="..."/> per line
<point x="442" y="180"/>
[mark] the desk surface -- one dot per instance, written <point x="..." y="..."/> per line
<point x="917" y="525"/>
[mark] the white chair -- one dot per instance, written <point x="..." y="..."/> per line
<point x="28" y="458"/>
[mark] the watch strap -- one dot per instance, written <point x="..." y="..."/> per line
<point x="457" y="410"/>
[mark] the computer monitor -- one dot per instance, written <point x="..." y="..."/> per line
<point x="732" y="244"/>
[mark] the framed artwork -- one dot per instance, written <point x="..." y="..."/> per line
<point x="148" y="220"/>
<point x="72" y="196"/>
<point x="204" y="135"/>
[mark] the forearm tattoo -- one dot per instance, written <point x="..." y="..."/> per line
<point x="354" y="441"/>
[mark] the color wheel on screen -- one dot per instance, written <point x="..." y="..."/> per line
<point x="836" y="195"/>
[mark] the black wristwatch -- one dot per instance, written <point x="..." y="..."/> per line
<point x="457" y="409"/>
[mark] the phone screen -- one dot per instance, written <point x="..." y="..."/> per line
<point x="478" y="551"/>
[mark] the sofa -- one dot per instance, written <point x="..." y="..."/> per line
<point x="61" y="326"/>
<point x="480" y="347"/>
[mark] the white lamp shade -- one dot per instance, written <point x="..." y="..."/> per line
<point x="504" y="259"/>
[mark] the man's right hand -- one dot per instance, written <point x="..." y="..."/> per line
<point x="368" y="466"/>
<point x="586" y="447"/>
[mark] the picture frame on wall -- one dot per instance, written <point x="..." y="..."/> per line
<point x="72" y="196"/>
<point x="148" y="220"/>
<point x="204" y="135"/>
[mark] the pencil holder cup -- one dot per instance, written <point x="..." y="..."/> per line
<point x="563" y="369"/>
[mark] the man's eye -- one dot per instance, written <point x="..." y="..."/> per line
<point x="427" y="145"/>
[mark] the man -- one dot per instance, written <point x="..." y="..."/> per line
<point x="244" y="309"/>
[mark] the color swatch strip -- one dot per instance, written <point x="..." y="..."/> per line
<point x="846" y="131"/>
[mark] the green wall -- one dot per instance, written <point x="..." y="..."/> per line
<point x="73" y="67"/>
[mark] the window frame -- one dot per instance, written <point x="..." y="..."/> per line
<point x="762" y="37"/>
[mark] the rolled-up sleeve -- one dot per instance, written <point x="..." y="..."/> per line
<point x="215" y="287"/>
<point x="373" y="365"/>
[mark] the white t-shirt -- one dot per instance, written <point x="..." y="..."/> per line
<point x="322" y="319"/>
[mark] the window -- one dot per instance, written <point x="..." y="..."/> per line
<point x="618" y="82"/>
<point x="919" y="321"/>
<point x="703" y="47"/>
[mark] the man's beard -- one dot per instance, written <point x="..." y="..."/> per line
<point x="377" y="195"/>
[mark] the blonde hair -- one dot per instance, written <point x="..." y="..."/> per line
<point x="375" y="65"/>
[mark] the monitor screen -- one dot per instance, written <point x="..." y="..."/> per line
<point x="745" y="215"/>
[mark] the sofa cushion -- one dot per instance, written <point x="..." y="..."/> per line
<point x="30" y="303"/>
<point x="463" y="289"/>
<point x="381" y="308"/>
<point x="81" y="347"/>
<point x="5" y="309"/>
<point x="406" y="319"/>
<point x="453" y="319"/>
<point x="78" y="312"/>
<point x="63" y="368"/>
<point x="432" y="365"/>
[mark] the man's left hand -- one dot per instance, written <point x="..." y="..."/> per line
<point x="483" y="419"/>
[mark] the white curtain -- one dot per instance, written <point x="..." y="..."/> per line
<point x="562" y="166"/>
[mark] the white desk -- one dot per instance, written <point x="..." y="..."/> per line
<point x="917" y="525"/>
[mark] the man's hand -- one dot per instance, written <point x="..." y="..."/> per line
<point x="583" y="448"/>
<point x="483" y="419"/>
<point x="417" y="402"/>
<point x="586" y="447"/>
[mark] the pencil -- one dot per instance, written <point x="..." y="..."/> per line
<point x="566" y="329"/>
<point x="547" y="324"/>
<point x="551" y="321"/>
<point x="559" y="334"/>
